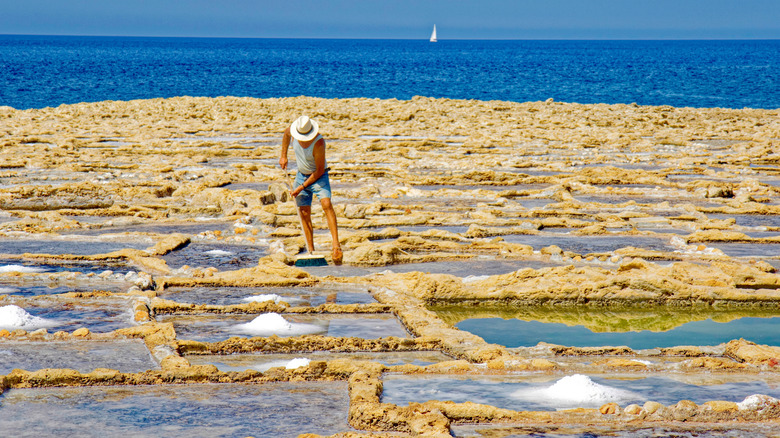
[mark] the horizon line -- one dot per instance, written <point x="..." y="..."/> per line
<point x="387" y="39"/>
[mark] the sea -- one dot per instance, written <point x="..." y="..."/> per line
<point x="47" y="71"/>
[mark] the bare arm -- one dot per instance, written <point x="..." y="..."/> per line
<point x="285" y="145"/>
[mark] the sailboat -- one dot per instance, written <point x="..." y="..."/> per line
<point x="433" y="35"/>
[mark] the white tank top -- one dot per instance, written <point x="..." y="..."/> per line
<point x="304" y="157"/>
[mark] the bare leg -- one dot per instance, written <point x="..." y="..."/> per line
<point x="308" y="233"/>
<point x="330" y="215"/>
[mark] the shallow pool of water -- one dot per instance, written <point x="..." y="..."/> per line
<point x="225" y="257"/>
<point x="66" y="246"/>
<point x="544" y="393"/>
<point x="748" y="249"/>
<point x="465" y="268"/>
<point x="531" y="203"/>
<point x="590" y="244"/>
<point x="296" y="296"/>
<point x="483" y="187"/>
<point x="593" y="431"/>
<point x="422" y="228"/>
<point x="28" y="290"/>
<point x="124" y="355"/>
<point x="750" y="220"/>
<point x="224" y="410"/>
<point x="622" y="199"/>
<point x="11" y="265"/>
<point x="215" y="328"/>
<point x="259" y="186"/>
<point x="518" y="333"/>
<point x="155" y="228"/>
<point x="262" y="362"/>
<point x="97" y="314"/>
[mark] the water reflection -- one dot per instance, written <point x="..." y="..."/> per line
<point x="637" y="328"/>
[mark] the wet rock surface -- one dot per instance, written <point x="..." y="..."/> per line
<point x="580" y="207"/>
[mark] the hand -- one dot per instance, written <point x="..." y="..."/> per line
<point x="297" y="191"/>
<point x="283" y="163"/>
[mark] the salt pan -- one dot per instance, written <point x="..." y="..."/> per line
<point x="13" y="317"/>
<point x="7" y="290"/>
<point x="575" y="391"/>
<point x="269" y="324"/>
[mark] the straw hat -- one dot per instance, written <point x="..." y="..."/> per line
<point x="304" y="128"/>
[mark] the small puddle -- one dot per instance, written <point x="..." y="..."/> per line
<point x="263" y="362"/>
<point x="622" y="199"/>
<point x="225" y="257"/>
<point x="457" y="229"/>
<point x="127" y="356"/>
<point x="750" y="220"/>
<point x="259" y="186"/>
<point x="270" y="409"/>
<point x="747" y="249"/>
<point x="296" y="296"/>
<point x="496" y="188"/>
<point x="593" y="327"/>
<point x="215" y="328"/>
<point x="531" y="203"/>
<point x="545" y="393"/>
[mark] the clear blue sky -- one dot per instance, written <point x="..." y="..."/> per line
<point x="455" y="19"/>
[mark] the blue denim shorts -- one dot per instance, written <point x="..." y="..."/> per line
<point x="321" y="188"/>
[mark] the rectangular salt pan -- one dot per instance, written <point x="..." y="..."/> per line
<point x="98" y="315"/>
<point x="215" y="328"/>
<point x="295" y="296"/>
<point x="127" y="356"/>
<point x="518" y="333"/>
<point x="544" y="393"/>
<point x="230" y="410"/>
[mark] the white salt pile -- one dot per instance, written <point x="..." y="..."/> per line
<point x="218" y="253"/>
<point x="288" y="364"/>
<point x="297" y="363"/>
<point x="20" y="268"/>
<point x="263" y="297"/>
<point x="13" y="317"/>
<point x="269" y="324"/>
<point x="575" y="391"/>
<point x="7" y="290"/>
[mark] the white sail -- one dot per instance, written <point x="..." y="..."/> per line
<point x="433" y="35"/>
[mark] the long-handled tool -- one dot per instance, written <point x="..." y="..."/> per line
<point x="308" y="259"/>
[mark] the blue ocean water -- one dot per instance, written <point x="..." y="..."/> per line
<point x="40" y="71"/>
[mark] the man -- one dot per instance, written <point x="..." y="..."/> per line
<point x="311" y="179"/>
